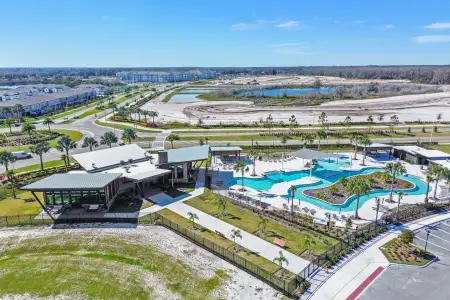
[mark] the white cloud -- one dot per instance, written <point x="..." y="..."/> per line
<point x="111" y="18"/>
<point x="288" y="25"/>
<point x="427" y="39"/>
<point x="249" y="26"/>
<point x="385" y="27"/>
<point x="439" y="25"/>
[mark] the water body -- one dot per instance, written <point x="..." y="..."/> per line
<point x="184" y="98"/>
<point x="328" y="173"/>
<point x="289" y="92"/>
<point x="197" y="91"/>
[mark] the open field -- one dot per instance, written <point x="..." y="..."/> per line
<point x="295" y="241"/>
<point x="143" y="263"/>
<point x="23" y="205"/>
<point x="47" y="164"/>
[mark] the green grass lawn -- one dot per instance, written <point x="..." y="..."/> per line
<point x="295" y="241"/>
<point x="122" y="127"/>
<point x="262" y="262"/>
<point x="399" y="253"/>
<point x="47" y="164"/>
<point x="441" y="147"/>
<point x="19" y="206"/>
<point x="90" y="113"/>
<point x="98" y="266"/>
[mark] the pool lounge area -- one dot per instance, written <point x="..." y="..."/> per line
<point x="274" y="178"/>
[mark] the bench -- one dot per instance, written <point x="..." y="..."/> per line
<point x="221" y="234"/>
<point x="279" y="242"/>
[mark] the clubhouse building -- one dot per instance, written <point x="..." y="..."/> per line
<point x="127" y="169"/>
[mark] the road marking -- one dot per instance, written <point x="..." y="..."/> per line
<point x="436" y="236"/>
<point x="355" y="294"/>
<point x="431" y="243"/>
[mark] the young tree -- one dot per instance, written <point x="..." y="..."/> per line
<point x="108" y="138"/>
<point x="192" y="217"/>
<point x="235" y="233"/>
<point x="400" y="197"/>
<point x="129" y="134"/>
<point x="240" y="167"/>
<point x="347" y="121"/>
<point x="90" y="142"/>
<point x="65" y="143"/>
<point x="380" y="118"/>
<point x="48" y="121"/>
<point x="11" y="177"/>
<point x="293" y="190"/>
<point x="428" y="179"/>
<point x="262" y="224"/>
<point x="407" y="237"/>
<point x="222" y="204"/>
<point x="281" y="260"/>
<point x="113" y="107"/>
<point x="9" y="122"/>
<point x="19" y="110"/>
<point x="323" y="119"/>
<point x="65" y="159"/>
<point x="269" y="122"/>
<point x="321" y="134"/>
<point x="358" y="186"/>
<point x="28" y="128"/>
<point x="173" y="137"/>
<point x="253" y="154"/>
<point x="284" y="140"/>
<point x="394" y="169"/>
<point x="308" y="243"/>
<point x="7" y="158"/>
<point x="292" y="122"/>
<point x="40" y="149"/>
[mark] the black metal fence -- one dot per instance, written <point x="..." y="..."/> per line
<point x="288" y="287"/>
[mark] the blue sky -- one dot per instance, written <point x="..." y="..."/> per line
<point x="140" y="33"/>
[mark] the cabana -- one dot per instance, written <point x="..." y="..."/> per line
<point x="375" y="147"/>
<point x="226" y="151"/>
<point x="312" y="154"/>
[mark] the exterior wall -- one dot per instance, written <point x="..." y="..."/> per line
<point x="131" y="77"/>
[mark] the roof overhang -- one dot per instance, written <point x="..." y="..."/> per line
<point x="147" y="175"/>
<point x="312" y="154"/>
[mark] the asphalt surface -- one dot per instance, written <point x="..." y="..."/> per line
<point x="409" y="282"/>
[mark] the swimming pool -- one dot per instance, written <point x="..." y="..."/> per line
<point x="328" y="172"/>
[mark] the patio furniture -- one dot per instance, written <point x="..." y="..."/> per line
<point x="279" y="242"/>
<point x="93" y="207"/>
<point x="336" y="217"/>
<point x="221" y="234"/>
<point x="313" y="211"/>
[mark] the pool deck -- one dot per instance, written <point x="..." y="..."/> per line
<point x="282" y="187"/>
<point x="367" y="212"/>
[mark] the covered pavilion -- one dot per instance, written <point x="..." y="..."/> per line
<point x="309" y="154"/>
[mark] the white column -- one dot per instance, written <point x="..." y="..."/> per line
<point x="185" y="171"/>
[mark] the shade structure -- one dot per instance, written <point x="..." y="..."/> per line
<point x="312" y="154"/>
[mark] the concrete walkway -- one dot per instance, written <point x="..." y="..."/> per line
<point x="160" y="140"/>
<point x="351" y="273"/>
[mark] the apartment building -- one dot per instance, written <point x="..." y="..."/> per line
<point x="161" y="77"/>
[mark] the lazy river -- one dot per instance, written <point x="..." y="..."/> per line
<point x="328" y="172"/>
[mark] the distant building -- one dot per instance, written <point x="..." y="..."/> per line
<point x="43" y="98"/>
<point x="148" y="76"/>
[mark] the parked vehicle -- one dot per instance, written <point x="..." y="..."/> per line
<point x="21" y="154"/>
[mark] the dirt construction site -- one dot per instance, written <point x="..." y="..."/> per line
<point x="424" y="107"/>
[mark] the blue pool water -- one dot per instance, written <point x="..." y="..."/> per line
<point x="328" y="173"/>
<point x="289" y="92"/>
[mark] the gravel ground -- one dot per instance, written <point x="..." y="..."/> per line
<point x="241" y="285"/>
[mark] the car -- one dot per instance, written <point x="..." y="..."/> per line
<point x="21" y="154"/>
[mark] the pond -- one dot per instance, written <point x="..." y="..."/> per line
<point x="184" y="98"/>
<point x="288" y="92"/>
<point x="197" y="91"/>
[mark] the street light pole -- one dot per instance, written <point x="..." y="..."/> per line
<point x="426" y="242"/>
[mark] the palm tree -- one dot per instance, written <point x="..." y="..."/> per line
<point x="90" y="142"/>
<point x="173" y="137"/>
<point x="262" y="224"/>
<point x="377" y="205"/>
<point x="11" y="177"/>
<point x="192" y="217"/>
<point x="153" y="114"/>
<point x="308" y="243"/>
<point x="65" y="143"/>
<point x="321" y="134"/>
<point x="293" y="190"/>
<point x="394" y="169"/>
<point x="281" y="259"/>
<point x="380" y="118"/>
<point x="64" y="158"/>
<point x="364" y="141"/>
<point x="292" y="122"/>
<point x="235" y="233"/>
<point x="428" y="179"/>
<point x="113" y="106"/>
<point x="240" y="167"/>
<point x="129" y="134"/>
<point x="269" y="121"/>
<point x="9" y="122"/>
<point x="253" y="154"/>
<point x="145" y="113"/>
<point x="7" y="111"/>
<point x="284" y="140"/>
<point x="358" y="186"/>
<point x="7" y="158"/>
<point x="222" y="204"/>
<point x="108" y="138"/>
<point x="437" y="172"/>
<point x="19" y="109"/>
<point x="400" y="197"/>
<point x="28" y="128"/>
<point x="48" y="121"/>
<point x="354" y="139"/>
<point x="40" y="149"/>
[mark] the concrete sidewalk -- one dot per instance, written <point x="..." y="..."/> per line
<point x="341" y="283"/>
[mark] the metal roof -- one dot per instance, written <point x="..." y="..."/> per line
<point x="73" y="182"/>
<point x="107" y="158"/>
<point x="188" y="154"/>
<point x="311" y="154"/>
<point x="148" y="174"/>
<point x="226" y="149"/>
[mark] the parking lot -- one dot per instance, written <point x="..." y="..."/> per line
<point x="410" y="282"/>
